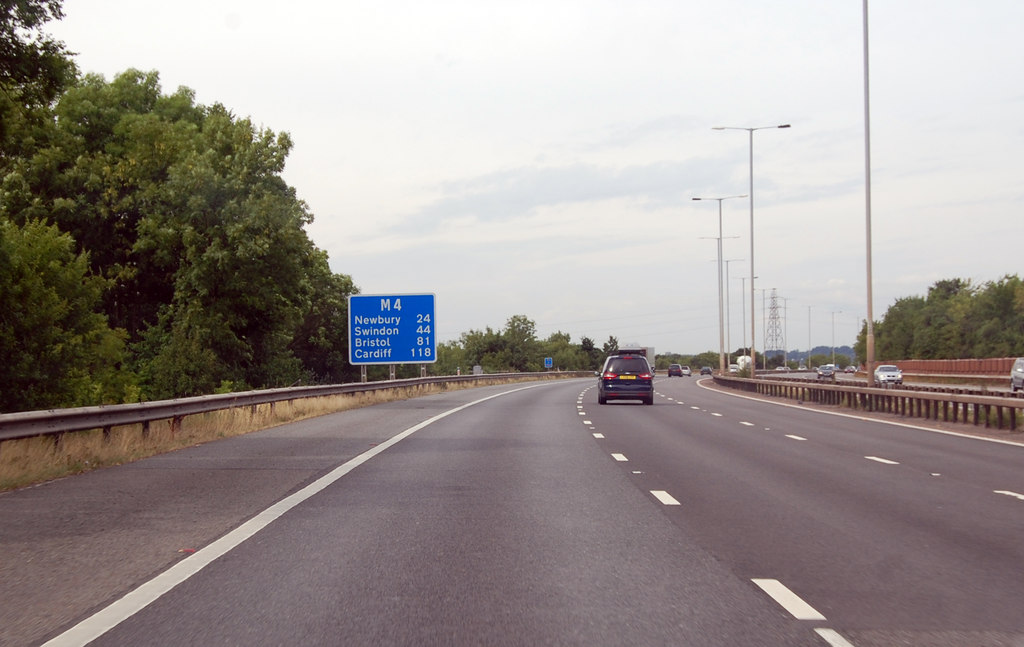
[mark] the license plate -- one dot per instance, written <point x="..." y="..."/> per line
<point x="627" y="377"/>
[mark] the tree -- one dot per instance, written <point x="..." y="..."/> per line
<point x="182" y="210"/>
<point x="242" y="288"/>
<point x="55" y="348"/>
<point x="522" y="352"/>
<point x="34" y="68"/>
<point x="320" y="341"/>
<point x="592" y="353"/>
<point x="611" y="346"/>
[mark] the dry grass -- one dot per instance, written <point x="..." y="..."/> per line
<point x="35" y="460"/>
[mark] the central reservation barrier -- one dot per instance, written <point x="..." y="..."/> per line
<point x="1001" y="412"/>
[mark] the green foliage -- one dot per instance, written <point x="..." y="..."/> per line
<point x="611" y="346"/>
<point x="956" y="320"/>
<point x="515" y="348"/>
<point x="181" y="213"/>
<point x="34" y="67"/>
<point x="56" y="350"/>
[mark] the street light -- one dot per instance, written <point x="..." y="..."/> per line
<point x="743" y="314"/>
<point x="728" y="307"/>
<point x="753" y="359"/>
<point x="834" y="313"/>
<point x="721" y="319"/>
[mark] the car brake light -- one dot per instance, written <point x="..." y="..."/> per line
<point x="608" y="375"/>
<point x="645" y="376"/>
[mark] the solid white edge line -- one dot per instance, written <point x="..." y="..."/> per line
<point x="833" y="638"/>
<point x="117" y="612"/>
<point x="789" y="601"/>
<point x="863" y="418"/>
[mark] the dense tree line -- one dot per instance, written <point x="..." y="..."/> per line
<point x="956" y="320"/>
<point x="149" y="247"/>
<point x="515" y="348"/>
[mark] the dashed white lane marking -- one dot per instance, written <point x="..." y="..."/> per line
<point x="832" y="638"/>
<point x="620" y="457"/>
<point x="664" y="497"/>
<point x="587" y="422"/>
<point x="789" y="601"/>
<point x="599" y="436"/>
<point x="1009" y="493"/>
<point x="746" y="424"/>
<point x="582" y="413"/>
<point x="717" y="415"/>
<point x="695" y="408"/>
<point x="795" y="437"/>
<point x="884" y="461"/>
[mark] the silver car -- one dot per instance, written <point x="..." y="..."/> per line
<point x="888" y="374"/>
<point x="1017" y="375"/>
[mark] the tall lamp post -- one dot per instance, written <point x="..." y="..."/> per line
<point x="743" y="314"/>
<point x="728" y="322"/>
<point x="753" y="323"/>
<point x="869" y="330"/>
<point x="721" y="313"/>
<point x="834" y="313"/>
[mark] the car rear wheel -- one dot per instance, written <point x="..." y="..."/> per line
<point x="649" y="400"/>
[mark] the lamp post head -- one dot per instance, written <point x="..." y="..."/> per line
<point x="728" y="197"/>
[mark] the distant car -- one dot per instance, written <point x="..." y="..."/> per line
<point x="734" y="368"/>
<point x="675" y="370"/>
<point x="784" y="369"/>
<point x="686" y="371"/>
<point x="801" y="368"/>
<point x="1017" y="375"/>
<point x="888" y="374"/>
<point x="826" y="371"/>
<point x="850" y="369"/>
<point x="705" y="370"/>
<point x="626" y="377"/>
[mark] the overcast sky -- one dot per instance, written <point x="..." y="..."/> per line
<point x="540" y="158"/>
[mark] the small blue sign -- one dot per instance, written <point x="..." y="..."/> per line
<point x="548" y="362"/>
<point x="391" y="329"/>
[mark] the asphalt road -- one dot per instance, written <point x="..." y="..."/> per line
<point x="532" y="517"/>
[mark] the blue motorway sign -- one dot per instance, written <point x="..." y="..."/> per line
<point x="391" y="329"/>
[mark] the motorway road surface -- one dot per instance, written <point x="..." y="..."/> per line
<point x="530" y="515"/>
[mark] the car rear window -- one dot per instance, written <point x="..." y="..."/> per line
<point x="628" y="365"/>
